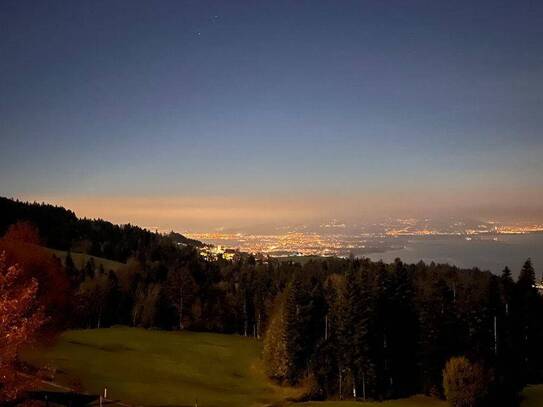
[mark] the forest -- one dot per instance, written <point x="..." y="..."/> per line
<point x="343" y="328"/>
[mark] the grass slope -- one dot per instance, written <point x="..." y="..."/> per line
<point x="175" y="369"/>
<point x="163" y="368"/>
<point x="80" y="259"/>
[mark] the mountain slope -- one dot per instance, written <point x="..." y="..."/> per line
<point x="61" y="229"/>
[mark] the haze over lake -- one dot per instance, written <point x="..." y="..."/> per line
<point x="486" y="254"/>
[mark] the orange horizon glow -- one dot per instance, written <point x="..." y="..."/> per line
<point x="205" y="213"/>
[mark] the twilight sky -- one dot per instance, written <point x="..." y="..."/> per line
<point x="202" y="114"/>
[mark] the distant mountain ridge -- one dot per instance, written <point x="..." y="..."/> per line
<point x="61" y="229"/>
<point x="182" y="239"/>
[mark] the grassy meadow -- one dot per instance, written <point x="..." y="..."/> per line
<point x="163" y="368"/>
<point x="159" y="368"/>
<point x="415" y="401"/>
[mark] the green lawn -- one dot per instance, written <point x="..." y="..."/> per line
<point x="416" y="401"/>
<point x="159" y="368"/>
<point x="163" y="368"/>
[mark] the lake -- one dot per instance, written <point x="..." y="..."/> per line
<point x="486" y="254"/>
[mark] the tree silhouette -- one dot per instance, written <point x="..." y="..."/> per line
<point x="20" y="319"/>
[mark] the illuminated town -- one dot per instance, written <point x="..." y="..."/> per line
<point x="338" y="239"/>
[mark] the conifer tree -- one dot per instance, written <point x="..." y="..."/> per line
<point x="526" y="279"/>
<point x="401" y="336"/>
<point x="349" y="337"/>
<point x="508" y="285"/>
<point x="71" y="271"/>
<point x="528" y="319"/>
<point x="438" y="340"/>
<point x="293" y="330"/>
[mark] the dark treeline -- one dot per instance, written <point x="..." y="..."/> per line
<point x="61" y="229"/>
<point x="344" y="328"/>
<point x="175" y="288"/>
<point x="377" y="331"/>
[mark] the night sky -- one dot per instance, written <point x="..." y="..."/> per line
<point x="198" y="114"/>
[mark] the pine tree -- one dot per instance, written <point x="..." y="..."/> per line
<point x="508" y="357"/>
<point x="508" y="285"/>
<point x="325" y="366"/>
<point x="439" y="334"/>
<point x="526" y="278"/>
<point x="527" y="317"/>
<point x="293" y="330"/>
<point x="358" y="342"/>
<point x="90" y="268"/>
<point x="348" y="343"/>
<point x="180" y="287"/>
<point x="401" y="335"/>
<point x="71" y="271"/>
<point x="506" y="274"/>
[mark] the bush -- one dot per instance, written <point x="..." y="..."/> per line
<point x="274" y="350"/>
<point x="466" y="384"/>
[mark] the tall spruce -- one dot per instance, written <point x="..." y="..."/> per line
<point x="528" y="319"/>
<point x="401" y="340"/>
<point x="294" y="330"/>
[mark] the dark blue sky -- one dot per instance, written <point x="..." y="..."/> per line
<point x="282" y="100"/>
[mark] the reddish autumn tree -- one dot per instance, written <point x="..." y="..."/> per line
<point x="21" y="317"/>
<point x="24" y="232"/>
<point x="21" y="246"/>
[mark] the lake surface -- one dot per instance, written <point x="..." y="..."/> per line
<point x="486" y="254"/>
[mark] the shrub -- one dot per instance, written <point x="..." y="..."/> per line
<point x="466" y="384"/>
<point x="275" y="350"/>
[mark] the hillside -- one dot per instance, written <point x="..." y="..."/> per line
<point x="173" y="368"/>
<point x="80" y="259"/>
<point x="163" y="368"/>
<point x="61" y="229"/>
